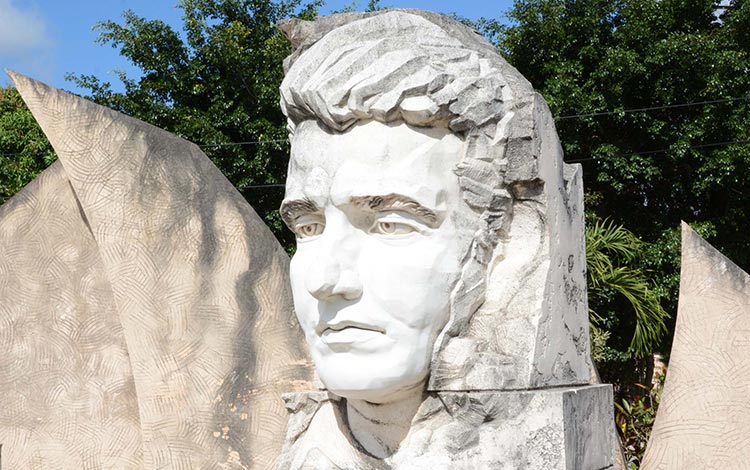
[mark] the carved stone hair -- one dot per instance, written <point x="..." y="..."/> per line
<point x="425" y="70"/>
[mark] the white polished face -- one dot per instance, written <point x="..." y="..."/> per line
<point x="378" y="251"/>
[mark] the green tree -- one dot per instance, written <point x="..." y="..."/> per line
<point x="215" y="83"/>
<point x="673" y="160"/>
<point x="627" y="318"/>
<point x="24" y="149"/>
<point x="613" y="275"/>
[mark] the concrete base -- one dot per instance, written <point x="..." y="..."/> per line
<point x="566" y="428"/>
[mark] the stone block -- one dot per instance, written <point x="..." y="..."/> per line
<point x="566" y="428"/>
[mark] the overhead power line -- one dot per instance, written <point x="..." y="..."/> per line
<point x="650" y="152"/>
<point x="651" y="108"/>
<point x="17" y="154"/>
<point x="251" y="142"/>
<point x="203" y="146"/>
<point x="570" y="116"/>
<point x="255" y="186"/>
<point x="241" y="188"/>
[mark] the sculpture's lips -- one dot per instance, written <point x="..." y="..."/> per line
<point x="347" y="324"/>
<point x="347" y="332"/>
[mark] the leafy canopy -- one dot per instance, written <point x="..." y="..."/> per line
<point x="687" y="159"/>
<point x="611" y="252"/>
<point x="24" y="149"/>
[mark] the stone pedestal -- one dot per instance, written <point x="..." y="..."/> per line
<point x="565" y="428"/>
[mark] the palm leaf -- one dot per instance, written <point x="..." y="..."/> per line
<point x="610" y="250"/>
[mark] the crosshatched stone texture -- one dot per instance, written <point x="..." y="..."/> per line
<point x="703" y="417"/>
<point x="67" y="395"/>
<point x="145" y="314"/>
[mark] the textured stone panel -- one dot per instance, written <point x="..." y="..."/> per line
<point x="198" y="297"/>
<point x="67" y="395"/>
<point x="703" y="417"/>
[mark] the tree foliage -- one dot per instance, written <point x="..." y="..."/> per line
<point x="24" y="149"/>
<point x="215" y="83"/>
<point x="673" y="160"/>
<point x="612" y="252"/>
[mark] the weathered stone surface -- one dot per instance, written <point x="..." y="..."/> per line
<point x="532" y="328"/>
<point x="560" y="428"/>
<point x="618" y="455"/>
<point x="703" y="416"/>
<point x="145" y="315"/>
<point x="67" y="394"/>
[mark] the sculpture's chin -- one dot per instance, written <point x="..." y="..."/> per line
<point x="364" y="385"/>
<point x="381" y="396"/>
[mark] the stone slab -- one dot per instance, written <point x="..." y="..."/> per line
<point x="703" y="417"/>
<point x="145" y="314"/>
<point x="67" y="394"/>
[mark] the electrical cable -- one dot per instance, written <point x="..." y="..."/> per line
<point x="652" y="108"/>
<point x="649" y="152"/>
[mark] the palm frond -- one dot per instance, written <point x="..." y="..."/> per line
<point x="610" y="250"/>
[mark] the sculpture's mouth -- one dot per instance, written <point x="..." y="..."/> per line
<point x="352" y="338"/>
<point x="348" y="334"/>
<point x="350" y="325"/>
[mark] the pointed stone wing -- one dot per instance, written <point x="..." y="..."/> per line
<point x="145" y="315"/>
<point x="703" y="416"/>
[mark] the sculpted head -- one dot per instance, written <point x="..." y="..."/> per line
<point x="380" y="241"/>
<point x="400" y="191"/>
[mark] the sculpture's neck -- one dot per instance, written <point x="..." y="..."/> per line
<point x="381" y="427"/>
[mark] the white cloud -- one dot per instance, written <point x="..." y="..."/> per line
<point x="22" y="31"/>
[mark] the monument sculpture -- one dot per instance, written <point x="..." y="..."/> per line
<point x="439" y="273"/>
<point x="145" y="314"/>
<point x="703" y="414"/>
<point x="439" y="278"/>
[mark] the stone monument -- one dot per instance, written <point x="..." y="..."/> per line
<point x="440" y="274"/>
<point x="703" y="416"/>
<point x="439" y="280"/>
<point x="145" y="315"/>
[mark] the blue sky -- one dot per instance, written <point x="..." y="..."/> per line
<point x="45" y="39"/>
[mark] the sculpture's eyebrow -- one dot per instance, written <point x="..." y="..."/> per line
<point x="398" y="202"/>
<point x="293" y="209"/>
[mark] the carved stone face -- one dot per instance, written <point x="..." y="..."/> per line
<point x="379" y="251"/>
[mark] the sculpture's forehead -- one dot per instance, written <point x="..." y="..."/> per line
<point x="372" y="158"/>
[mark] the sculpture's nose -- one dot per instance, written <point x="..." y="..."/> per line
<point x="334" y="273"/>
<point x="331" y="281"/>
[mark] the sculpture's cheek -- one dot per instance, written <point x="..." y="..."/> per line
<point x="305" y="306"/>
<point x="411" y="285"/>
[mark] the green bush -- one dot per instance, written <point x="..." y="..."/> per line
<point x="635" y="418"/>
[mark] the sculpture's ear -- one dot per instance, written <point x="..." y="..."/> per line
<point x="296" y="30"/>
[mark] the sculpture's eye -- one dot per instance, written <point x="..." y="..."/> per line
<point x="393" y="228"/>
<point x="394" y="224"/>
<point x="308" y="229"/>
